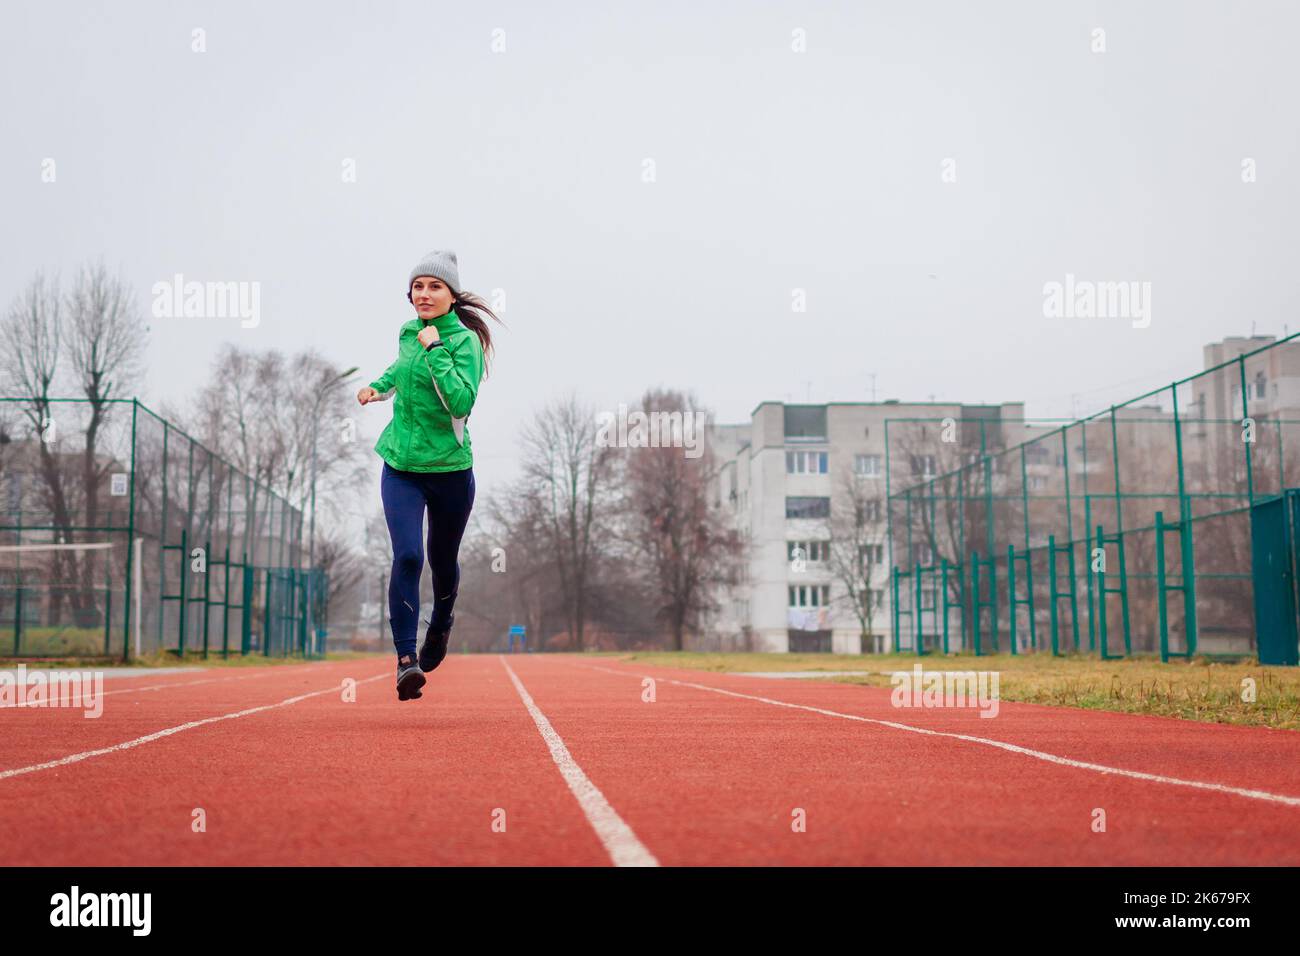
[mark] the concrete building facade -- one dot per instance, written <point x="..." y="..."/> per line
<point x="785" y="477"/>
<point x="781" y="479"/>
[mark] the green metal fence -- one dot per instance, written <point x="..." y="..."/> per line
<point x="1124" y="532"/>
<point x="122" y="535"/>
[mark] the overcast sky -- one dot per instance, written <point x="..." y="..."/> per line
<point x="774" y="170"/>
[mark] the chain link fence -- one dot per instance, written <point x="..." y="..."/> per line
<point x="120" y="535"/>
<point x="1125" y="532"/>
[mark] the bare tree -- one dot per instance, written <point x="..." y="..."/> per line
<point x="858" y="534"/>
<point x="234" y="415"/>
<point x="510" y="575"/>
<point x="375" y="567"/>
<point x="30" y="347"/>
<point x="10" y="424"/>
<point x="572" y="473"/>
<point x="29" y="351"/>
<point x="689" y="549"/>
<point x="105" y="345"/>
<point x="343" y="566"/>
<point x="946" y="475"/>
<point x="516" y="568"/>
<point x="246" y="415"/>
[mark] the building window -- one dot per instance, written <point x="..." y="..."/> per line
<point x="808" y="550"/>
<point x="807" y="507"/>
<point x="872" y="553"/>
<point x="1261" y="385"/>
<point x="868" y="466"/>
<point x="871" y="509"/>
<point x="805" y="462"/>
<point x="923" y="465"/>
<point x="805" y="422"/>
<point x="809" y="595"/>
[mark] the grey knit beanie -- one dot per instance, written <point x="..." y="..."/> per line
<point x="441" y="264"/>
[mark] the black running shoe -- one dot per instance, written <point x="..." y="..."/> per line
<point x="434" y="648"/>
<point x="409" y="678"/>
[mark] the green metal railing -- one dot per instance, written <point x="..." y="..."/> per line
<point x="1016" y="511"/>
<point x="197" y="555"/>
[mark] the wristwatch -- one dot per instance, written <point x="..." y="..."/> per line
<point x="432" y="345"/>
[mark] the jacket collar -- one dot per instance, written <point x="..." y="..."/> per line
<point x="446" y="324"/>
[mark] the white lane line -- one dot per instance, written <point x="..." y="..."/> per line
<point x="127" y="745"/>
<point x="154" y="687"/>
<point x="1264" y="795"/>
<point x="110" y="673"/>
<point x="135" y="690"/>
<point x="620" y="842"/>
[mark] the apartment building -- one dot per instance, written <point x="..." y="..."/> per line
<point x="794" y="474"/>
<point x="781" y="477"/>
<point x="1272" y="378"/>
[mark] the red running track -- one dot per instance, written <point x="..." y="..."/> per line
<point x="581" y="770"/>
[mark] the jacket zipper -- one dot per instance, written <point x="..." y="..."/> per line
<point x="406" y="450"/>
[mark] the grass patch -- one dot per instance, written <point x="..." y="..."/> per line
<point x="171" y="659"/>
<point x="1199" y="689"/>
<point x="57" y="641"/>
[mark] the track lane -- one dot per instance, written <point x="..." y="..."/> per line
<point x="698" y="777"/>
<point x="36" y="734"/>
<point x="1229" y="754"/>
<point x="709" y="779"/>
<point x="320" y="782"/>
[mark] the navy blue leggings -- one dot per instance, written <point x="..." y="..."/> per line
<point x="449" y="496"/>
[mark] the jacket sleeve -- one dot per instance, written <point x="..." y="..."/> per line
<point x="456" y="375"/>
<point x="384" y="384"/>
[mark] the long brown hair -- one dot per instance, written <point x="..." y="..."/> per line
<point x="472" y="308"/>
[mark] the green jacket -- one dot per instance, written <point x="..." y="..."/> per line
<point x="435" y="392"/>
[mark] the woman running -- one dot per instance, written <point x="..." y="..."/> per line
<point x="428" y="462"/>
